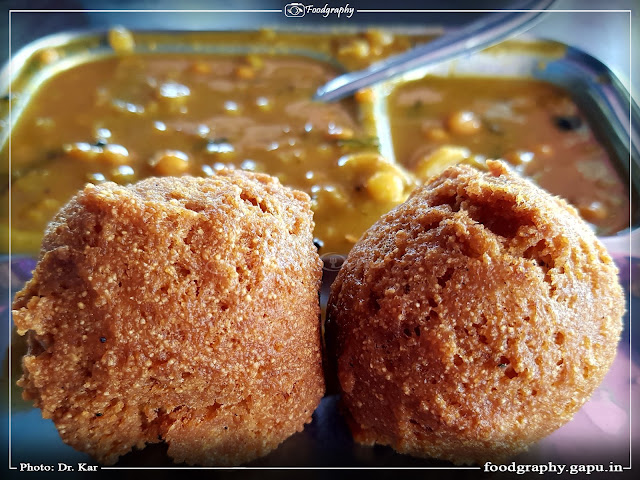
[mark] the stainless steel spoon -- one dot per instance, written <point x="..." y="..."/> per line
<point x="482" y="33"/>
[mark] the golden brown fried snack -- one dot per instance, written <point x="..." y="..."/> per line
<point x="472" y="320"/>
<point x="176" y="309"/>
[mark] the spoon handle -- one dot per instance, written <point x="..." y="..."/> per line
<point x="479" y="34"/>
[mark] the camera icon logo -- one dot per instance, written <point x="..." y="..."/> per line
<point x="294" y="10"/>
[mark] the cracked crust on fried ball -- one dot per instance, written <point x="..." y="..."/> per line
<point x="472" y="320"/>
<point x="182" y="310"/>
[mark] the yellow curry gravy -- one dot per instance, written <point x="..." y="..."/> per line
<point x="131" y="116"/>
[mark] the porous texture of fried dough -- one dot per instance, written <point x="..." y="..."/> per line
<point x="472" y="320"/>
<point x="182" y="310"/>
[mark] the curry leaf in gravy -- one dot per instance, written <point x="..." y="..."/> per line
<point x="569" y="122"/>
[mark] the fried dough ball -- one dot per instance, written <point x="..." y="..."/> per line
<point x="472" y="320"/>
<point x="176" y="309"/>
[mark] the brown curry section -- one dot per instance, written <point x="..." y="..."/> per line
<point x="127" y="117"/>
<point x="533" y="125"/>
